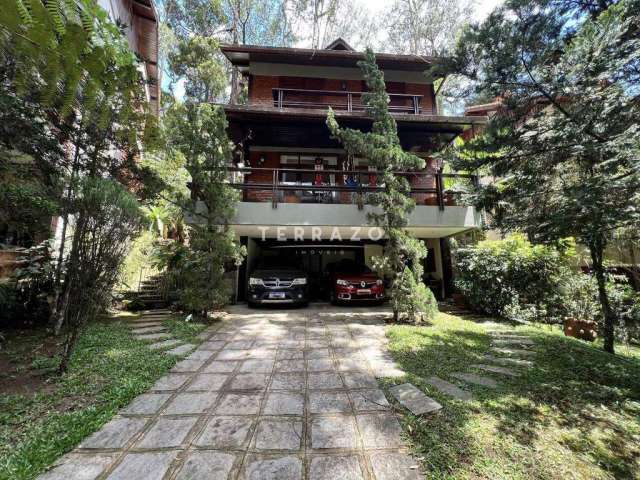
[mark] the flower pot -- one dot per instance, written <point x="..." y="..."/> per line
<point x="431" y="200"/>
<point x="291" y="198"/>
<point x="582" y="329"/>
<point x="450" y="199"/>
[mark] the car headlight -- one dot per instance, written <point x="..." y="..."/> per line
<point x="378" y="282"/>
<point x="299" y="281"/>
<point x="255" y="281"/>
<point x="344" y="283"/>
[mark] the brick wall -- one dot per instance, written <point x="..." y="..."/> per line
<point x="272" y="160"/>
<point x="425" y="181"/>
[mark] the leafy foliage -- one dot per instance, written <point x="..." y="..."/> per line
<point x="564" y="146"/>
<point x="403" y="253"/>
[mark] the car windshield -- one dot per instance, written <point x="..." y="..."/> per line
<point x="351" y="267"/>
<point x="275" y="263"/>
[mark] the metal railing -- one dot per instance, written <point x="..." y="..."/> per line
<point x="344" y="100"/>
<point x="273" y="186"/>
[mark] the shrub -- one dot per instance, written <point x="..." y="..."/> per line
<point x="514" y="279"/>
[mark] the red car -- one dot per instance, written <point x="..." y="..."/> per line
<point x="353" y="282"/>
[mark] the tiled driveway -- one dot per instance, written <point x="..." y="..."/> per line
<point x="269" y="395"/>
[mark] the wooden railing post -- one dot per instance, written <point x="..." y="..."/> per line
<point x="280" y="95"/>
<point x="274" y="194"/>
<point x="416" y="105"/>
<point x="439" y="190"/>
<point x="349" y="102"/>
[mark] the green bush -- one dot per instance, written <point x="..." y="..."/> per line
<point x="514" y="279"/>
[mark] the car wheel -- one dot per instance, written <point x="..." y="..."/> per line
<point x="332" y="298"/>
<point x="252" y="305"/>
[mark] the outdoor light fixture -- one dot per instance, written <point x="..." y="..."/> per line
<point x="261" y="160"/>
<point x="299" y="281"/>
<point x="255" y="281"/>
<point x="344" y="283"/>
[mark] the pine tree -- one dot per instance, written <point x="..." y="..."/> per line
<point x="404" y="254"/>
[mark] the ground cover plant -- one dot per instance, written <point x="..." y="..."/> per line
<point x="574" y="414"/>
<point x="42" y="415"/>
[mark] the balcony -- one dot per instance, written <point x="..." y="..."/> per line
<point x="344" y="101"/>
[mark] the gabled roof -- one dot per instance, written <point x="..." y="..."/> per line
<point x="339" y="44"/>
<point x="242" y="55"/>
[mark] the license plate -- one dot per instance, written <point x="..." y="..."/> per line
<point x="363" y="291"/>
<point x="276" y="295"/>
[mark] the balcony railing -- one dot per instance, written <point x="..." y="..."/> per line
<point x="284" y="185"/>
<point x="344" y="101"/>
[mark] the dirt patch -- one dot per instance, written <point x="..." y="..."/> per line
<point x="27" y="362"/>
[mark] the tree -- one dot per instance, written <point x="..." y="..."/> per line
<point x="564" y="147"/>
<point x="404" y="254"/>
<point x="198" y="133"/>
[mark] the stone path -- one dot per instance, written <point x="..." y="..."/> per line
<point x="149" y="327"/>
<point x="269" y="395"/>
<point x="414" y="400"/>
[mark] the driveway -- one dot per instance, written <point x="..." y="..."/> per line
<point x="270" y="394"/>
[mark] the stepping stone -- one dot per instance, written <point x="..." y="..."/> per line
<point x="394" y="466"/>
<point x="413" y="399"/>
<point x="495" y="369"/>
<point x="181" y="350"/>
<point x="508" y="361"/>
<point x="165" y="344"/>
<point x="155" y="329"/>
<point x="512" y="341"/>
<point x="476" y="379"/>
<point x="143" y="324"/>
<point x="153" y="336"/>
<point x="449" y="388"/>
<point x="513" y="351"/>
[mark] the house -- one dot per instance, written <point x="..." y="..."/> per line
<point x="302" y="197"/>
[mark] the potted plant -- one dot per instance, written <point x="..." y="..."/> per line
<point x="580" y="321"/>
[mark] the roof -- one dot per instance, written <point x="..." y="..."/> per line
<point x="242" y="55"/>
<point x="339" y="44"/>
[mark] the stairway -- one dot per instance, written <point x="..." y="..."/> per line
<point x="151" y="293"/>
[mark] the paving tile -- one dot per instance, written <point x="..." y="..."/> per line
<point x="225" y="432"/>
<point x="290" y="354"/>
<point x="167" y="432"/>
<point x="143" y="323"/>
<point x="359" y="380"/>
<point x="152" y="336"/>
<point x="273" y="468"/>
<point x="496" y="369"/>
<point x="380" y="430"/>
<point x="79" y="467"/>
<point x="233" y="354"/>
<point x="368" y="400"/>
<point x="508" y="361"/>
<point x="150" y="466"/>
<point x="394" y="466"/>
<point x="165" y="344"/>
<point x="221" y="367"/>
<point x="146" y="404"/>
<point x="448" y="388"/>
<point x="257" y="366"/>
<point x="149" y="329"/>
<point x="182" y="350"/>
<point x="115" y="434"/>
<point x="324" y="381"/>
<point x="320" y="365"/>
<point x="284" y="403"/>
<point x="171" y="381"/>
<point x="290" y="366"/>
<point x="263" y="353"/>
<point x="318" y="353"/>
<point x="333" y="432"/>
<point x="190" y="403"/>
<point x="188" y="365"/>
<point x="414" y="399"/>
<point x="278" y="434"/>
<point x="513" y="351"/>
<point x="213" y="345"/>
<point x="207" y="382"/>
<point x="476" y="379"/>
<point x="239" y="404"/>
<point x="206" y="464"/>
<point x="512" y="341"/>
<point x="249" y="381"/>
<point x="201" y="355"/>
<point x="335" y="467"/>
<point x="349" y="364"/>
<point x="287" y="381"/>
<point x="329" y="402"/>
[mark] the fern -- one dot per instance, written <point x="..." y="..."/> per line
<point x="54" y="9"/>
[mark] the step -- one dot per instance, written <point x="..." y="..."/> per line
<point x="165" y="344"/>
<point x="508" y="361"/>
<point x="155" y="329"/>
<point x="513" y="351"/>
<point x="133" y="324"/>
<point x="182" y="349"/>
<point x="414" y="399"/>
<point x="496" y="369"/>
<point x="153" y="336"/>
<point x="512" y="341"/>
<point x="475" y="379"/>
<point x="449" y="388"/>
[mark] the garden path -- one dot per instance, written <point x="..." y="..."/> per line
<point x="268" y="395"/>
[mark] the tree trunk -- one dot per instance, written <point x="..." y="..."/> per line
<point x="69" y="345"/>
<point x="597" y="253"/>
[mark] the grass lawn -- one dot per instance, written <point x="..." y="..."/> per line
<point x="42" y="421"/>
<point x="574" y="415"/>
